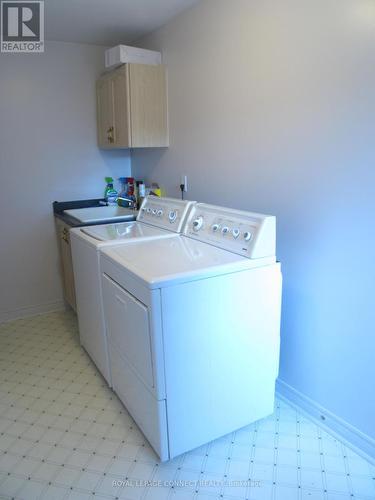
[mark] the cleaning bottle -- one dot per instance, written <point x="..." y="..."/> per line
<point x="126" y="197"/>
<point x="123" y="190"/>
<point x="131" y="191"/>
<point x="110" y="193"/>
<point x="141" y="193"/>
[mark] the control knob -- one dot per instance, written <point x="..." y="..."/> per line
<point x="247" y="236"/>
<point x="172" y="216"/>
<point x="225" y="230"/>
<point x="198" y="223"/>
<point x="160" y="213"/>
<point x="235" y="233"/>
<point x="215" y="227"/>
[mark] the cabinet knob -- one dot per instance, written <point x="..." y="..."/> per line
<point x="110" y="133"/>
<point x="65" y="235"/>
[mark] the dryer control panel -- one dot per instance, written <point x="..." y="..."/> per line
<point x="166" y="213"/>
<point x="246" y="233"/>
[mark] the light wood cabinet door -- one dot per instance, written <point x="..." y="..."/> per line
<point x="148" y="105"/>
<point x="105" y="112"/>
<point x="132" y="107"/>
<point x="66" y="263"/>
<point x="121" y="108"/>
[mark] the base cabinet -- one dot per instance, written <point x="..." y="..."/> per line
<point x="132" y="107"/>
<point x="63" y="238"/>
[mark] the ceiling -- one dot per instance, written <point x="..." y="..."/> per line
<point x="107" y="22"/>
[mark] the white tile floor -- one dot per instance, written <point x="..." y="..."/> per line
<point x="64" y="434"/>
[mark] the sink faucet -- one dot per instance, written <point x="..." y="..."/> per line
<point x="124" y="201"/>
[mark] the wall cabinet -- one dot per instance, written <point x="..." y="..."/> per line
<point x="63" y="237"/>
<point x="132" y="107"/>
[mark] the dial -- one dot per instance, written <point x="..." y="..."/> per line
<point x="235" y="232"/>
<point x="154" y="211"/>
<point x="160" y="213"/>
<point x="247" y="236"/>
<point x="172" y="216"/>
<point x="198" y="223"/>
<point x="215" y="227"/>
<point x="225" y="230"/>
<point x="149" y="210"/>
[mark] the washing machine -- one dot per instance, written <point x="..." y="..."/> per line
<point x="157" y="218"/>
<point x="193" y="326"/>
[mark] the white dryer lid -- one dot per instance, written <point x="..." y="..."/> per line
<point x="167" y="261"/>
<point x="122" y="231"/>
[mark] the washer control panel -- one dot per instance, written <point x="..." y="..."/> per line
<point x="166" y="213"/>
<point x="246" y="233"/>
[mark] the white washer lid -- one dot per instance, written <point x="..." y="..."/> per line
<point x="122" y="231"/>
<point x="168" y="261"/>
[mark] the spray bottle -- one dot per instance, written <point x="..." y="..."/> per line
<point x="110" y="193"/>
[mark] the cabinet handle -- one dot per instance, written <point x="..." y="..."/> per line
<point x="110" y="133"/>
<point x="65" y="236"/>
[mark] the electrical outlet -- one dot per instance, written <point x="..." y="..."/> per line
<point x="184" y="181"/>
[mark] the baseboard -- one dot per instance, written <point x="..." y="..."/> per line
<point x="355" y="439"/>
<point x="25" y="312"/>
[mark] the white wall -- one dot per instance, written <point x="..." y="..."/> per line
<point x="47" y="152"/>
<point x="272" y="107"/>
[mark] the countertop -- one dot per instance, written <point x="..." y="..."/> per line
<point x="60" y="206"/>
